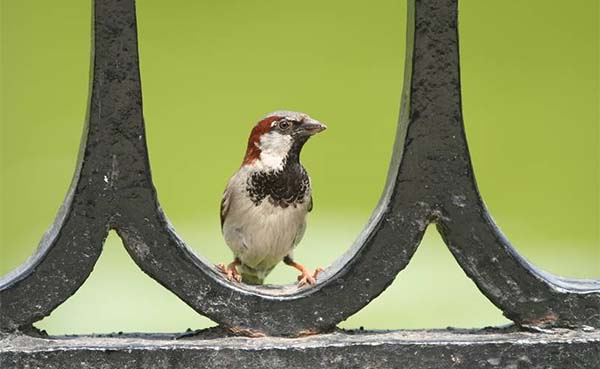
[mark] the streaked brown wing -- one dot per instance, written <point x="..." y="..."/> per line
<point x="225" y="202"/>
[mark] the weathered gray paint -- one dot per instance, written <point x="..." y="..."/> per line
<point x="494" y="349"/>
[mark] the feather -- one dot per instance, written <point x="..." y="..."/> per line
<point x="225" y="204"/>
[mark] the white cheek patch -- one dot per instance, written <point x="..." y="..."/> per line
<point x="274" y="147"/>
<point x="275" y="143"/>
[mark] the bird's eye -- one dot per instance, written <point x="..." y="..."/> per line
<point x="283" y="124"/>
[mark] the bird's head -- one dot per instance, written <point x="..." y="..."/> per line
<point x="279" y="138"/>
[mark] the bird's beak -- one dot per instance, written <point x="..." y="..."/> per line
<point x="311" y="127"/>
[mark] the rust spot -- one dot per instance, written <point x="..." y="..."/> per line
<point x="308" y="332"/>
<point x="245" y="332"/>
<point x="546" y="320"/>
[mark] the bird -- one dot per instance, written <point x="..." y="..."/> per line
<point x="266" y="202"/>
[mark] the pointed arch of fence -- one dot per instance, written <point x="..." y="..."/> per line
<point x="430" y="180"/>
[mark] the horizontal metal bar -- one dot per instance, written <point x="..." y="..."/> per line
<point x="491" y="348"/>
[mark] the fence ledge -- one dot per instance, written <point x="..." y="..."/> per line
<point x="450" y="348"/>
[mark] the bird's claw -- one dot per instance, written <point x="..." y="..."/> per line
<point x="306" y="278"/>
<point x="230" y="272"/>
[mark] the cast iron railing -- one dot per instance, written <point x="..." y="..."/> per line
<point x="430" y="180"/>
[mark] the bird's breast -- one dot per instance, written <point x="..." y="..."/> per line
<point x="263" y="226"/>
<point x="282" y="188"/>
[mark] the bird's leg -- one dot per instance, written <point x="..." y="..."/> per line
<point x="306" y="277"/>
<point x="230" y="270"/>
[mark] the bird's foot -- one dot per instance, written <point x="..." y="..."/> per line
<point x="307" y="278"/>
<point x="230" y="271"/>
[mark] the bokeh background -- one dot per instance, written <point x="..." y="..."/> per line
<point x="210" y="69"/>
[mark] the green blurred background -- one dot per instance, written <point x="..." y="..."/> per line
<point x="210" y="69"/>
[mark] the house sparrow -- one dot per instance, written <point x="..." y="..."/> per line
<point x="265" y="203"/>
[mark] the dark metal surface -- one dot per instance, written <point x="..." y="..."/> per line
<point x="430" y="181"/>
<point x="404" y="349"/>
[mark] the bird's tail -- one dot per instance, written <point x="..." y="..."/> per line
<point x="252" y="279"/>
<point x="253" y="276"/>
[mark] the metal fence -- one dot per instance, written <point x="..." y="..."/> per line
<point x="430" y="180"/>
